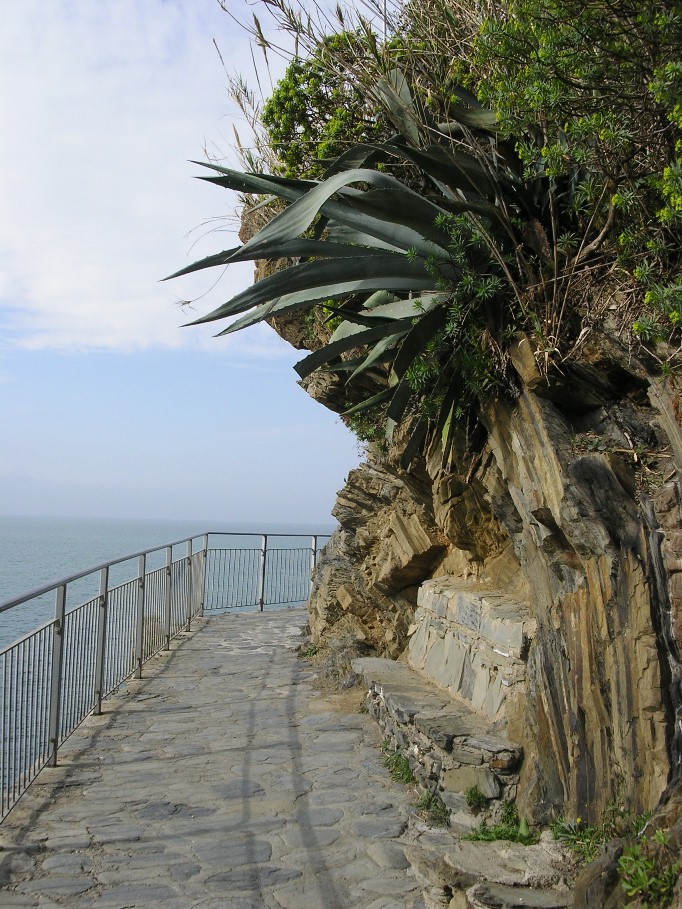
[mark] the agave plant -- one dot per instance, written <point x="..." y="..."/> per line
<point x="408" y="270"/>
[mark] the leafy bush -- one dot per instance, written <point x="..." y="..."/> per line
<point x="533" y="183"/>
<point x="648" y="871"/>
<point x="312" y="117"/>
<point x="591" y="92"/>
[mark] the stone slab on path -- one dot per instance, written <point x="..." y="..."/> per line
<point x="221" y="780"/>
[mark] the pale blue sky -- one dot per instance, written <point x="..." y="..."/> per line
<point x="108" y="407"/>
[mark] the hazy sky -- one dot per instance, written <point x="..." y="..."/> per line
<point x="107" y="406"/>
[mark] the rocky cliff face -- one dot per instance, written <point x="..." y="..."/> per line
<point x="568" y="503"/>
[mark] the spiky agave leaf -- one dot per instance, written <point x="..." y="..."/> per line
<point x="390" y="320"/>
<point x="362" y="234"/>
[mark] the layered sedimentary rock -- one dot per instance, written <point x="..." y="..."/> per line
<point x="386" y="544"/>
<point x="562" y="520"/>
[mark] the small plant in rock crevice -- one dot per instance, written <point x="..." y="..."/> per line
<point x="475" y="799"/>
<point x="434" y="809"/>
<point x="512" y="827"/>
<point x="590" y="442"/>
<point x="585" y="839"/>
<point x="647" y="871"/>
<point x="397" y="765"/>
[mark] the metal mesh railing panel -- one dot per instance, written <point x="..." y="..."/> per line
<point x="198" y="580"/>
<point x="24" y="712"/>
<point x="77" y="697"/>
<point x="119" y="655"/>
<point x="154" y="622"/>
<point x="232" y="578"/>
<point x="287" y="576"/>
<point x="178" y="595"/>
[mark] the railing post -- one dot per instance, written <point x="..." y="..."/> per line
<point x="189" y="585"/>
<point x="313" y="562"/>
<point x="139" y="617"/>
<point x="56" y="674"/>
<point x="202" y="579"/>
<point x="101" y="637"/>
<point x="261" y="577"/>
<point x="168" y="596"/>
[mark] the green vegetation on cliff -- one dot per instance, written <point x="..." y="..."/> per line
<point x="497" y="168"/>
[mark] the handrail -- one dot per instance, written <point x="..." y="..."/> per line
<point x="119" y="560"/>
<point x="69" y="579"/>
<point x="60" y="672"/>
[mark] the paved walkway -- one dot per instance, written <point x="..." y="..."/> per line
<point x="223" y="780"/>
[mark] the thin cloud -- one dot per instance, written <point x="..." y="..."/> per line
<point x="104" y="103"/>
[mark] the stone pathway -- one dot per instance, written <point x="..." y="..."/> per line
<point x="223" y="780"/>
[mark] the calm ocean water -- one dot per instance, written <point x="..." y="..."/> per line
<point x="35" y="551"/>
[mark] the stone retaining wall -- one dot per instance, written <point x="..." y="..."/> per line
<point x="451" y="747"/>
<point x="473" y="642"/>
<point x="449" y="707"/>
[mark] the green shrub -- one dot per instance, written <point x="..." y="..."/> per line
<point x="315" y="113"/>
<point x="648" y="872"/>
<point x="544" y="195"/>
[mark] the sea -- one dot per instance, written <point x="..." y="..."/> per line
<point x="36" y="551"/>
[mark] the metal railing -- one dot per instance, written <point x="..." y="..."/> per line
<point x="60" y="672"/>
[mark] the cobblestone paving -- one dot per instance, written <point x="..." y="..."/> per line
<point x="222" y="779"/>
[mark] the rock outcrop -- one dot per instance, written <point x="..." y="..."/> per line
<point x="534" y="575"/>
<point x="467" y="875"/>
<point x="561" y="521"/>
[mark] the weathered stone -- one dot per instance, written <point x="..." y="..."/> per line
<point x="385" y="902"/>
<point x="432" y="870"/>
<point x="344" y="596"/>
<point x="462" y="778"/>
<point x="500" y="896"/>
<point x="504" y="761"/>
<point x="388" y="854"/>
<point x="380" y="826"/>
<point x="316" y="830"/>
<point x="599" y="882"/>
<point x="471" y="877"/>
<point x="408" y="550"/>
<point x="464" y="864"/>
<point x="58" y="887"/>
<point x="448" y="743"/>
<point x="464" y="754"/>
<point x="243" y="878"/>
<point x="469" y="640"/>
<point x="443" y="729"/>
